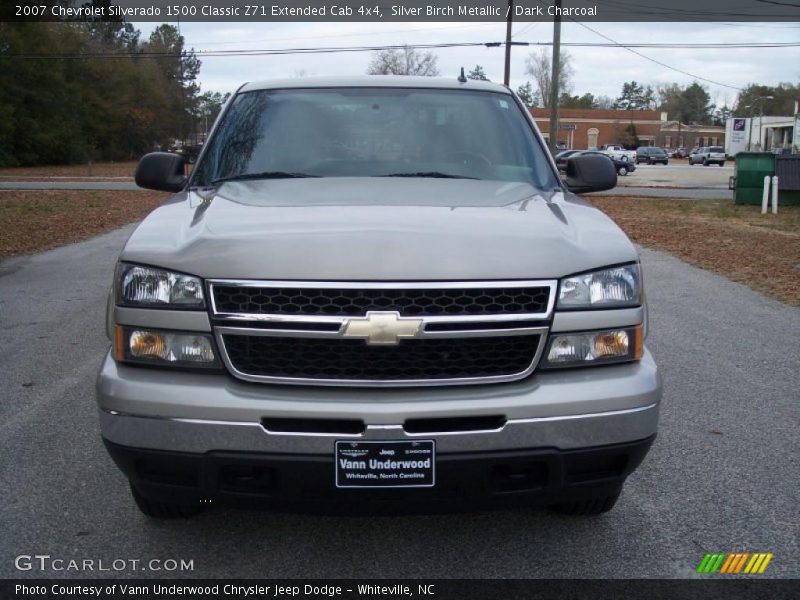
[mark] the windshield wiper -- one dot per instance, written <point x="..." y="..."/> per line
<point x="437" y="174"/>
<point x="262" y="175"/>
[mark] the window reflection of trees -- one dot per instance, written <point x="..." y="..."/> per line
<point x="373" y="132"/>
<point x="233" y="145"/>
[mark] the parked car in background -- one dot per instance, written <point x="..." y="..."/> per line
<point x="681" y="152"/>
<point x="623" y="167"/>
<point x="709" y="155"/>
<point x="618" y="152"/>
<point x="651" y="155"/>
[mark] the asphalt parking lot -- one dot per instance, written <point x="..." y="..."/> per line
<point x="678" y="174"/>
<point x="722" y="475"/>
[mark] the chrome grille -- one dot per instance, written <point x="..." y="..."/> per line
<point x="448" y="333"/>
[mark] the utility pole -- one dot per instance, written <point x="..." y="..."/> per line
<point x="507" y="74"/>
<point x="556" y="74"/>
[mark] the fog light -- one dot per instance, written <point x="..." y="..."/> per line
<point x="613" y="343"/>
<point x="147" y="346"/>
<point x="595" y="347"/>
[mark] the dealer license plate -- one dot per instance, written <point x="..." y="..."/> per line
<point x="385" y="464"/>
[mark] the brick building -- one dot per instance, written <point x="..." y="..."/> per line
<point x="589" y="128"/>
<point x="675" y="134"/>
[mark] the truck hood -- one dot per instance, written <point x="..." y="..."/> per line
<point x="377" y="229"/>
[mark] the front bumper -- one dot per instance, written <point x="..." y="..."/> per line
<point x="469" y="479"/>
<point x="556" y="436"/>
<point x="199" y="413"/>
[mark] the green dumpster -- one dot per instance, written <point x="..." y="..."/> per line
<point x="748" y="178"/>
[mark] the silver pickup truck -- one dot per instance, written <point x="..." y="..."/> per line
<point x="377" y="289"/>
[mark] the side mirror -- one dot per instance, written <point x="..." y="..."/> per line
<point x="590" y="173"/>
<point x="162" y="171"/>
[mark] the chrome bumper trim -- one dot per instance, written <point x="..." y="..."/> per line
<point x="197" y="435"/>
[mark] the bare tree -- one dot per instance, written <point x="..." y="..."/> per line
<point x="538" y="65"/>
<point x="603" y="102"/>
<point x="405" y="61"/>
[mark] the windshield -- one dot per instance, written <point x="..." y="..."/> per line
<point x="374" y="132"/>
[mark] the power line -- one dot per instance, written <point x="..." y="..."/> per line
<point x="779" y="3"/>
<point x="248" y="52"/>
<point x="653" y="60"/>
<point x="334" y="49"/>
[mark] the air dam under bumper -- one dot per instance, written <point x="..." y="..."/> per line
<point x="469" y="479"/>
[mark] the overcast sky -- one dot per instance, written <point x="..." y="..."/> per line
<point x="600" y="71"/>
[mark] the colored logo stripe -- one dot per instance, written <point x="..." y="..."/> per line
<point x="734" y="563"/>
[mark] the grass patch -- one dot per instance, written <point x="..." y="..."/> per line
<point x="760" y="251"/>
<point x="35" y="220"/>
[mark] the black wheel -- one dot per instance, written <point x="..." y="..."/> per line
<point x="593" y="505"/>
<point x="157" y="509"/>
<point x="722" y="164"/>
<point x="622" y="171"/>
<point x="705" y="162"/>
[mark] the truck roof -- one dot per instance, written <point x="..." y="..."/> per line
<point x="398" y="81"/>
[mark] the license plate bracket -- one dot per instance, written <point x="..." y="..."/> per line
<point x="385" y="464"/>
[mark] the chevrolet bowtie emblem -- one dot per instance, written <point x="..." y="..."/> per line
<point x="382" y="328"/>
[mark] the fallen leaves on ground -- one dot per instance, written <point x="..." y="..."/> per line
<point x="35" y="220"/>
<point x="760" y="251"/>
<point x="118" y="169"/>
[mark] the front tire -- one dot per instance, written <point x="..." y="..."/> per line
<point x="705" y="162"/>
<point x="622" y="171"/>
<point x="592" y="505"/>
<point x="157" y="509"/>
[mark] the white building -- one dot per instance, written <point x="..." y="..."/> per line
<point x="762" y="134"/>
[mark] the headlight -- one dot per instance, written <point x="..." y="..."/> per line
<point x="609" y="288"/>
<point x="166" y="348"/>
<point x="594" y="348"/>
<point x="148" y="287"/>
